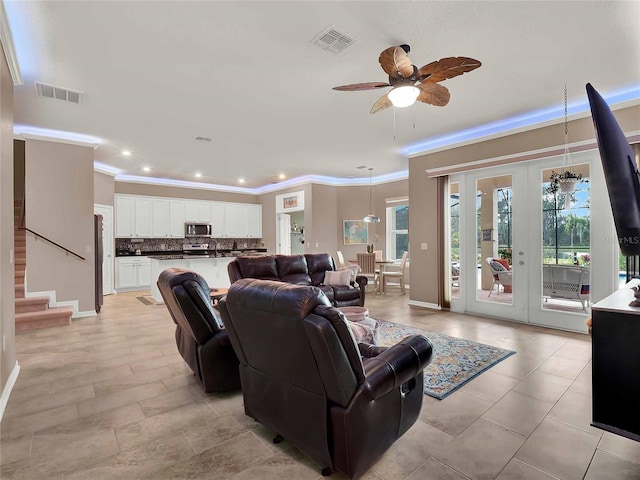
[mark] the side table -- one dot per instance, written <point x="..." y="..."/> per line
<point x="217" y="293"/>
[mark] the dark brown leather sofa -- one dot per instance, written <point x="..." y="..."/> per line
<point x="200" y="336"/>
<point x="304" y="378"/>
<point x="308" y="269"/>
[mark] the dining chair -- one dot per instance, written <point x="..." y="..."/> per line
<point x="399" y="274"/>
<point x="341" y="262"/>
<point x="367" y="263"/>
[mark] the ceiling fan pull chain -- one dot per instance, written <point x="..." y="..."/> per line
<point x="394" y="124"/>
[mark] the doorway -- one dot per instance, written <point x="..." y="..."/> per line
<point x="522" y="249"/>
<point x="107" y="247"/>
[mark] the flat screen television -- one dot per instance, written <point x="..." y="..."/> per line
<point x="620" y="172"/>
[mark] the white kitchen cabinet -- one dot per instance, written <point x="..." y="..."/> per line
<point x="177" y="218"/>
<point x="254" y="221"/>
<point x="218" y="227"/>
<point x="139" y="216"/>
<point x="125" y="209"/>
<point x="160" y="217"/>
<point x="197" y="211"/>
<point x="133" y="216"/>
<point x="213" y="270"/>
<point x="243" y="220"/>
<point x="133" y="273"/>
<point x="142" y="217"/>
<point x="235" y="216"/>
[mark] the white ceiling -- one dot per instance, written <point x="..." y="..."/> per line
<point x="156" y="74"/>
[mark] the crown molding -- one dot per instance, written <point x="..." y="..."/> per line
<point x="7" y="46"/>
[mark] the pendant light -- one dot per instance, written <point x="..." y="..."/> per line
<point x="371" y="218"/>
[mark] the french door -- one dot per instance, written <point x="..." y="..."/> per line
<point x="525" y="251"/>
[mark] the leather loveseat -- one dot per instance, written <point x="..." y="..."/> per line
<point x="304" y="377"/>
<point x="308" y="269"/>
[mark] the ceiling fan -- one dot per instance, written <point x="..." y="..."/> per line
<point x="411" y="83"/>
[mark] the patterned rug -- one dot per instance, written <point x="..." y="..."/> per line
<point x="454" y="362"/>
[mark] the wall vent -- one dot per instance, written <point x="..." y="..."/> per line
<point x="333" y="40"/>
<point x="59" y="93"/>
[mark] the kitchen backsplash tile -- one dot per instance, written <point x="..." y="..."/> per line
<point x="175" y="244"/>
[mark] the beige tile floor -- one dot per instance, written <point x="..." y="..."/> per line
<point x="110" y="398"/>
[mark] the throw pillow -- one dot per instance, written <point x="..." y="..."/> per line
<point x="340" y="277"/>
<point x="354" y="269"/>
<point x="498" y="267"/>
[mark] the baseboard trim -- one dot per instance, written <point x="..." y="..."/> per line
<point x="67" y="303"/>
<point x="6" y="391"/>
<point x="432" y="306"/>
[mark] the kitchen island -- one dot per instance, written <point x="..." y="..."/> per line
<point x="213" y="269"/>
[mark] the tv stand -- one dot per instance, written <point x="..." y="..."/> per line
<point x="616" y="363"/>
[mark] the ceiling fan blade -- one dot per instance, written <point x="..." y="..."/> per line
<point x="433" y="94"/>
<point x="448" y="67"/>
<point x="395" y="62"/>
<point x="361" y="86"/>
<point x="382" y="103"/>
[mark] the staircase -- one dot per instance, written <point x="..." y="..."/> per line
<point x="32" y="313"/>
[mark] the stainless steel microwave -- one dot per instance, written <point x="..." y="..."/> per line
<point x="197" y="229"/>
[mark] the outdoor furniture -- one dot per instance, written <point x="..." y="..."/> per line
<point x="501" y="275"/>
<point x="566" y="281"/>
<point x="455" y="275"/>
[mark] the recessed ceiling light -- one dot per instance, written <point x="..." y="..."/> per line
<point x="126" y="153"/>
<point x="146" y="169"/>
<point x="198" y="175"/>
<point x="282" y="176"/>
<point x="241" y="180"/>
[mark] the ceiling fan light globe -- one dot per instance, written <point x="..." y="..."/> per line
<point x="371" y="218"/>
<point x="404" y="96"/>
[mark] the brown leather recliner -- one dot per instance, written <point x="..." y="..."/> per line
<point x="200" y="335"/>
<point x="304" y="377"/>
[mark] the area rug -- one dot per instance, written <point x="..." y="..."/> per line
<point x="148" y="300"/>
<point x="455" y="361"/>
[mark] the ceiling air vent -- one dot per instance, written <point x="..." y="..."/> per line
<point x="59" y="93"/>
<point x="202" y="139"/>
<point x="333" y="40"/>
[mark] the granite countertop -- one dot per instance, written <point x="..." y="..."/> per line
<point x="186" y="257"/>
<point x="177" y="254"/>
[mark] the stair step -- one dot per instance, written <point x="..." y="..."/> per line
<point x="20" y="260"/>
<point x="32" y="304"/>
<point x="53" y="317"/>
<point x="18" y="276"/>
<point x="19" y="291"/>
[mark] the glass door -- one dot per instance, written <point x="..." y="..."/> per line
<point x="523" y="241"/>
<point x="494" y="228"/>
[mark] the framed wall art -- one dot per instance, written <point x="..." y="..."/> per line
<point x="355" y="232"/>
<point x="290" y="202"/>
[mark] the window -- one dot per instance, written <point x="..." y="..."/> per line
<point x="397" y="230"/>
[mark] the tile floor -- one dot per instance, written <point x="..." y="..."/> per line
<point x="110" y="398"/>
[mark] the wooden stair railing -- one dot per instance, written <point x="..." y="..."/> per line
<point x="69" y="252"/>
